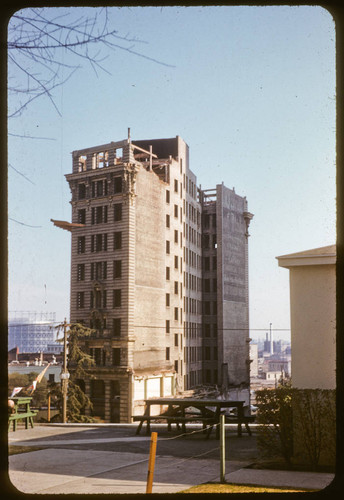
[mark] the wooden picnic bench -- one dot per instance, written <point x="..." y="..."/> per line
<point x="245" y="419"/>
<point x="183" y="410"/>
<point x="21" y="411"/>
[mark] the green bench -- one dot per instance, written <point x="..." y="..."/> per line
<point x="21" y="411"/>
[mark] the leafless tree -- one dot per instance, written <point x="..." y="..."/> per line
<point x="38" y="39"/>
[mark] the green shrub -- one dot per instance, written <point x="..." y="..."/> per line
<point x="315" y="425"/>
<point x="297" y="424"/>
<point x="275" y="419"/>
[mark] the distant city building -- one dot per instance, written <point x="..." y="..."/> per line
<point x="32" y="332"/>
<point x="274" y="369"/>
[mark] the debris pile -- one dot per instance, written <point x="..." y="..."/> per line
<point x="202" y="392"/>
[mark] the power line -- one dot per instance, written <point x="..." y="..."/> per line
<point x="11" y="325"/>
<point x="22" y="223"/>
<point x="171" y="327"/>
<point x="20" y="173"/>
<point x="32" y="137"/>
<point x="218" y="329"/>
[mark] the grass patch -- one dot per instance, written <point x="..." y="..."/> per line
<point x="238" y="488"/>
<point x="14" y="450"/>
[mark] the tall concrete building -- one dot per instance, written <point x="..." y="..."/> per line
<point x="225" y="287"/>
<point x="159" y="271"/>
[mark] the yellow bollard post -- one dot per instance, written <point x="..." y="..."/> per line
<point x="151" y="462"/>
<point x="222" y="450"/>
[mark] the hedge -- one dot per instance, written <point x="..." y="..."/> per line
<point x="297" y="424"/>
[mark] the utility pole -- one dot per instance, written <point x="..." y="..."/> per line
<point x="64" y="375"/>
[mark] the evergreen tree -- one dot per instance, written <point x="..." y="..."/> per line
<point x="78" y="364"/>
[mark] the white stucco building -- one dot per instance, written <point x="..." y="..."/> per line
<point x="312" y="275"/>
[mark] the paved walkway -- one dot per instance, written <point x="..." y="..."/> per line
<point x="77" y="471"/>
<point x="65" y="469"/>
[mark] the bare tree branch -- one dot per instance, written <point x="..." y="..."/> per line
<point x="38" y="36"/>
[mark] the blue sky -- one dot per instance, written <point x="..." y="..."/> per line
<point x="252" y="92"/>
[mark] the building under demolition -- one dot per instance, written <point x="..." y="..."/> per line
<point x="160" y="271"/>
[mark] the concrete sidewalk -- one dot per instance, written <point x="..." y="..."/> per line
<point x="79" y="471"/>
<point x="280" y="478"/>
<point x="63" y="469"/>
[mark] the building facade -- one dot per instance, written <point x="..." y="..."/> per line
<point x="312" y="276"/>
<point x="159" y="271"/>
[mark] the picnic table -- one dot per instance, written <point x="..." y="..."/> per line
<point x="183" y="410"/>
<point x="21" y="411"/>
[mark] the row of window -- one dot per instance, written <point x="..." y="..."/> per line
<point x="210" y="285"/>
<point x="210" y="263"/>
<point x="209" y="308"/>
<point x="209" y="241"/>
<point x="178" y="365"/>
<point x="191" y="187"/>
<point x="192" y="212"/>
<point x="197" y="377"/>
<point x="208" y="377"/>
<point x="188" y="184"/>
<point x="99" y="299"/>
<point x="99" y="356"/>
<point x="100" y="324"/>
<point x="193" y="354"/>
<point x="209" y="220"/>
<point x="191" y="330"/>
<point x="189" y="257"/>
<point x="176" y="238"/>
<point x="168" y="269"/>
<point x="99" y="270"/>
<point x="188" y="209"/>
<point x="101" y="158"/>
<point x="99" y="214"/>
<point x="192" y="235"/>
<point x="99" y="188"/>
<point x="194" y="377"/>
<point x="192" y="306"/>
<point x="210" y="329"/>
<point x="192" y="258"/>
<point x="192" y="282"/>
<point x="99" y="242"/>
